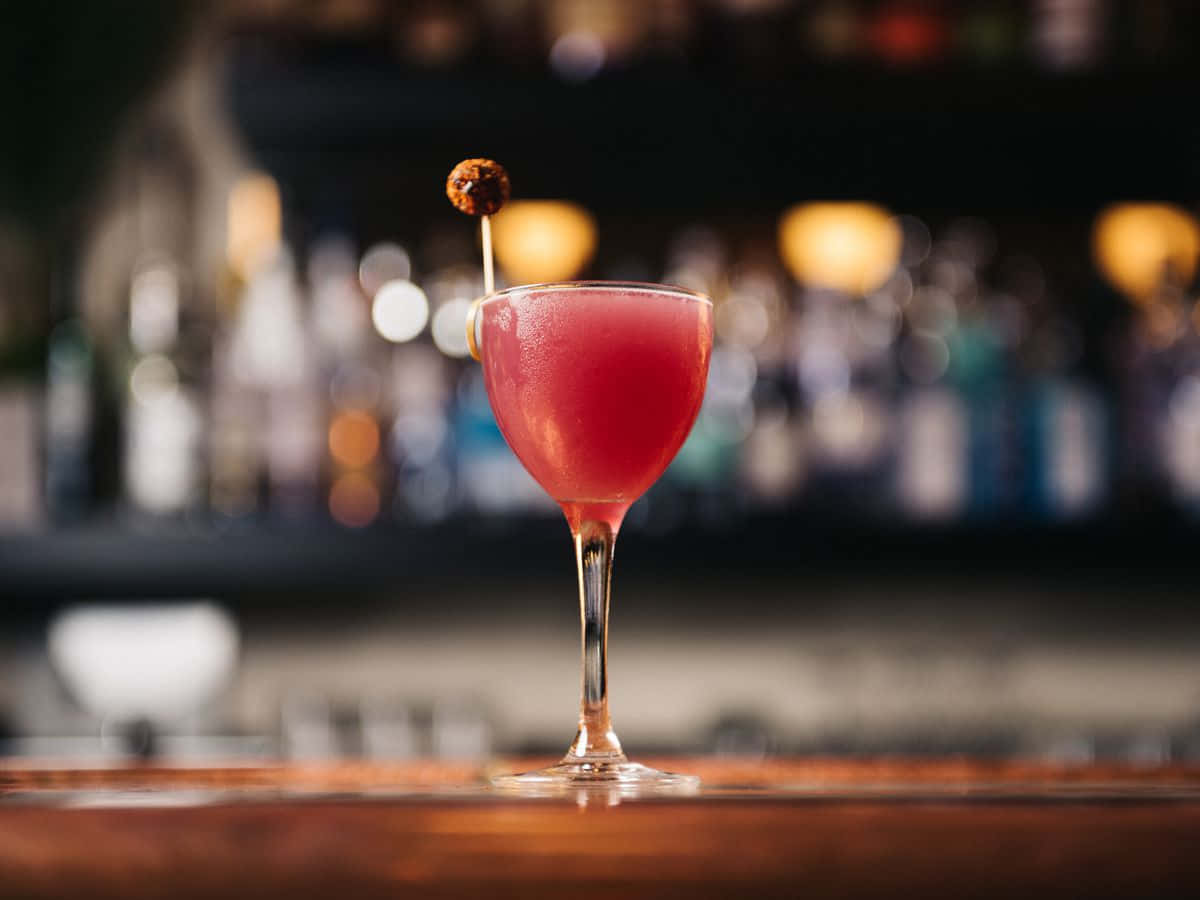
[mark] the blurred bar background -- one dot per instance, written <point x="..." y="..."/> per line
<point x="943" y="493"/>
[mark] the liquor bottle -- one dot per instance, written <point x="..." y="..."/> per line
<point x="164" y="414"/>
<point x="70" y="402"/>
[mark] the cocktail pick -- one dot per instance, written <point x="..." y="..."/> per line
<point x="479" y="187"/>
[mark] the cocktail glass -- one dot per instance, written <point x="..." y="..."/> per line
<point x="595" y="386"/>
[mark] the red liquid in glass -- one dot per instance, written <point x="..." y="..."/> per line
<point x="595" y="388"/>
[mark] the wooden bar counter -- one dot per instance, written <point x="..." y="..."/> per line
<point x="776" y="828"/>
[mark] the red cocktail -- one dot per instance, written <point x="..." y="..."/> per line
<point x="595" y="386"/>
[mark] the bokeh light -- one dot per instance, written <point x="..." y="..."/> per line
<point x="270" y="345"/>
<point x="577" y="55"/>
<point x="932" y="312"/>
<point x="353" y="438"/>
<point x="543" y="240"/>
<point x="153" y="379"/>
<point x="255" y="223"/>
<point x="932" y="477"/>
<point x="416" y="438"/>
<point x="449" y="335"/>
<point x="877" y="320"/>
<point x="731" y="377"/>
<point x="154" y="307"/>
<point x="1140" y="247"/>
<point x="400" y="311"/>
<point x="743" y="320"/>
<point x="382" y="263"/>
<point x="849" y="428"/>
<point x="847" y="247"/>
<point x="354" y="500"/>
<point x="924" y="357"/>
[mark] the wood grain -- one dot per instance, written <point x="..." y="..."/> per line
<point x="797" y="830"/>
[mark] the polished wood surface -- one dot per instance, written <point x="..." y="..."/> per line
<point x="780" y="828"/>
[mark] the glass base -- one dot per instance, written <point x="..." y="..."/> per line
<point x="615" y="779"/>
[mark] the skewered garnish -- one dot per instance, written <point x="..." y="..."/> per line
<point x="478" y="187"/>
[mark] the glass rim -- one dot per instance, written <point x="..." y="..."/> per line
<point x="647" y="286"/>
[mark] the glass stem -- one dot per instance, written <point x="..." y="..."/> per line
<point x="595" y="741"/>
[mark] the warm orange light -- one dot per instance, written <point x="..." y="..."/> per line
<point x="543" y="240"/>
<point x="354" y="500"/>
<point x="353" y="438"/>
<point x="1140" y="247"/>
<point x="848" y="247"/>
<point x="255" y="222"/>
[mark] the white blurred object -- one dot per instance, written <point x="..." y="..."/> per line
<point x="308" y="727"/>
<point x="449" y="333"/>
<point x="933" y="454"/>
<point x="849" y="429"/>
<point x="400" y="310"/>
<point x="731" y="377"/>
<point x="388" y="730"/>
<point x="163" y="433"/>
<point x="270" y="346"/>
<point x="773" y="461"/>
<point x="156" y="662"/>
<point x="461" y="731"/>
<point x="1075" y="466"/>
<point x="154" y="307"/>
<point x="1181" y="439"/>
